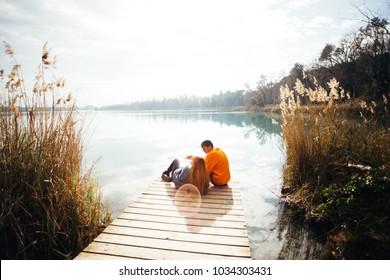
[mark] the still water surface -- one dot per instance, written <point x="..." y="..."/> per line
<point x="133" y="148"/>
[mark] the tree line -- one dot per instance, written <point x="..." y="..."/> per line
<point x="360" y="62"/>
<point x="228" y="99"/>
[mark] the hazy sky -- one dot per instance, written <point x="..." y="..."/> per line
<point x="117" y="51"/>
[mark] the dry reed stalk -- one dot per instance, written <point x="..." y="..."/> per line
<point x="50" y="207"/>
<point x="322" y="141"/>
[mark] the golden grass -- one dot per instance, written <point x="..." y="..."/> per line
<point x="50" y="206"/>
<point x="323" y="141"/>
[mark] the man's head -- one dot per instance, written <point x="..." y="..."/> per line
<point x="207" y="146"/>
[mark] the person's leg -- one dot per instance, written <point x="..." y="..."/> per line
<point x="175" y="165"/>
<point x="213" y="183"/>
<point x="212" y="179"/>
<point x="167" y="174"/>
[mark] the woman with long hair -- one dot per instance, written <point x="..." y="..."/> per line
<point x="195" y="174"/>
<point x="199" y="176"/>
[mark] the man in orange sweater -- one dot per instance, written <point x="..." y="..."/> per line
<point x="217" y="164"/>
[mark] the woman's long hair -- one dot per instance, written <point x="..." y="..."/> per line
<point x="199" y="175"/>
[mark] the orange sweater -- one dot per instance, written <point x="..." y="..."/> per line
<point x="218" y="164"/>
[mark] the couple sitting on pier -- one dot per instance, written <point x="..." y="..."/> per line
<point x="213" y="168"/>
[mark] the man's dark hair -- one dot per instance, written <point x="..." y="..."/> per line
<point x="207" y="143"/>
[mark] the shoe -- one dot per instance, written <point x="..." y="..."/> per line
<point x="166" y="178"/>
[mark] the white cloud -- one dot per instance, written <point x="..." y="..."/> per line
<point x="296" y="4"/>
<point x="321" y="20"/>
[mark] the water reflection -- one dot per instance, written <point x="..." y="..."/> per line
<point x="260" y="124"/>
<point x="135" y="147"/>
<point x="301" y="242"/>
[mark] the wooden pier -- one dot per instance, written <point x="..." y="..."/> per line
<point x="164" y="223"/>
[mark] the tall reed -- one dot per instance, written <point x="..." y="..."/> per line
<point x="337" y="166"/>
<point x="51" y="207"/>
<point x="324" y="144"/>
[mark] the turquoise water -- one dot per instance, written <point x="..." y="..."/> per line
<point x="131" y="149"/>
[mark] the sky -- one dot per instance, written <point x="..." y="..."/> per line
<point x="116" y="51"/>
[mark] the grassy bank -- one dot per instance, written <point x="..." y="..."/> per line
<point x="337" y="167"/>
<point x="50" y="206"/>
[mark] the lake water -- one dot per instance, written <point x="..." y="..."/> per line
<point x="133" y="148"/>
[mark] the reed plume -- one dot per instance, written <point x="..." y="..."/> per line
<point x="51" y="207"/>
<point x="323" y="141"/>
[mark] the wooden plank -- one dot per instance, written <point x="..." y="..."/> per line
<point x="185" y="218"/>
<point x="179" y="236"/>
<point x="170" y="190"/>
<point x="207" y="197"/>
<point x="170" y="213"/>
<point x="232" y="187"/>
<point x="100" y="256"/>
<point x="181" y="198"/>
<point x="165" y="224"/>
<point x="193" y="220"/>
<point x="219" y="211"/>
<point x="174" y="245"/>
<point x="135" y="252"/>
<point x="171" y="202"/>
<point x="181" y="227"/>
